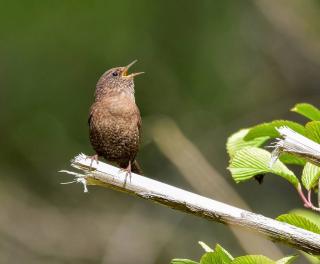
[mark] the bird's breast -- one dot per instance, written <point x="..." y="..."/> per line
<point x="114" y="127"/>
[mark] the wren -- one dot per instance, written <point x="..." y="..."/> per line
<point x="115" y="121"/>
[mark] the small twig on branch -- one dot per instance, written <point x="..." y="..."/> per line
<point x="108" y="176"/>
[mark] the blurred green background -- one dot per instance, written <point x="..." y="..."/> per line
<point x="212" y="67"/>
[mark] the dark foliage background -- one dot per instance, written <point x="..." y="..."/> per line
<point x="211" y="66"/>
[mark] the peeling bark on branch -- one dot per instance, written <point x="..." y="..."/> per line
<point x="110" y="177"/>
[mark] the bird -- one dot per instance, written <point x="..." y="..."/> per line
<point x="115" y="120"/>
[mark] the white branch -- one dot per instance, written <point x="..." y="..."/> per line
<point x="108" y="176"/>
<point x="294" y="143"/>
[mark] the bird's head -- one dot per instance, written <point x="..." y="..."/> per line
<point x="116" y="81"/>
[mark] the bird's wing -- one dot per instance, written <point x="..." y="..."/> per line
<point x="139" y="123"/>
<point x="89" y="119"/>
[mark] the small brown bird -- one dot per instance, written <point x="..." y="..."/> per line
<point x="114" y="120"/>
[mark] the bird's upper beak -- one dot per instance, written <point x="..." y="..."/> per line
<point x="126" y="68"/>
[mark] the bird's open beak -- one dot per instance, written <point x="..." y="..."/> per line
<point x="126" y="68"/>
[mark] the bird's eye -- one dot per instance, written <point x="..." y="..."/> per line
<point x="115" y="74"/>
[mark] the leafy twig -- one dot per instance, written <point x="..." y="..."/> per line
<point x="296" y="144"/>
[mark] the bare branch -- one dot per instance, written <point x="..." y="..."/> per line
<point x="108" y="176"/>
<point x="296" y="144"/>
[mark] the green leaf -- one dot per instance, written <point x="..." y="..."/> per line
<point x="310" y="175"/>
<point x="307" y="110"/>
<point x="299" y="221"/>
<point x="236" y="142"/>
<point x="218" y="257"/>
<point x="210" y="258"/>
<point x="183" y="261"/>
<point x="224" y="255"/>
<point x="311" y="258"/>
<point x="252" y="161"/>
<point x="287" y="260"/>
<point x="312" y="216"/>
<point x="269" y="129"/>
<point x="288" y="158"/>
<point x="253" y="259"/>
<point x="205" y="247"/>
<point x="313" y="131"/>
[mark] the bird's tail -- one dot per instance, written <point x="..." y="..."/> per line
<point x="135" y="167"/>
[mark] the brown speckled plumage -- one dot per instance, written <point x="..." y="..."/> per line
<point x="114" y="120"/>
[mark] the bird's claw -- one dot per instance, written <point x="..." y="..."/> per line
<point x="93" y="158"/>
<point x="128" y="173"/>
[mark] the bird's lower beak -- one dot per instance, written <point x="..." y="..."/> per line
<point x="134" y="74"/>
<point x="126" y="68"/>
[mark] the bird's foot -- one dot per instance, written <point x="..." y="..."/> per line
<point x="93" y="158"/>
<point x="128" y="173"/>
